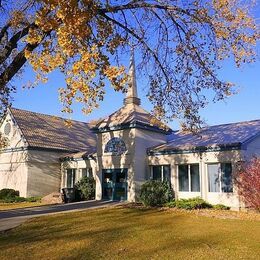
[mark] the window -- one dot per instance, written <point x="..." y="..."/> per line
<point x="115" y="146"/>
<point x="86" y="172"/>
<point x="70" y="175"/>
<point x="161" y="172"/>
<point x="189" y="177"/>
<point x="7" y="129"/>
<point x="220" y="177"/>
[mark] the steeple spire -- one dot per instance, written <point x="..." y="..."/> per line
<point x="131" y="95"/>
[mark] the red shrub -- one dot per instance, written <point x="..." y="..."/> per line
<point x="247" y="179"/>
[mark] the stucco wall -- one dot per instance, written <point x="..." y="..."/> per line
<point x="13" y="171"/>
<point x="143" y="140"/>
<point x="13" y="166"/>
<point x="44" y="172"/>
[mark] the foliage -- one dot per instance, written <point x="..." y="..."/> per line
<point x="221" y="207"/>
<point x="155" y="193"/>
<point x="179" y="45"/>
<point x="3" y="141"/>
<point x="86" y="188"/>
<point x="13" y="199"/>
<point x="193" y="203"/>
<point x="11" y="196"/>
<point x="247" y="180"/>
<point x="8" y="193"/>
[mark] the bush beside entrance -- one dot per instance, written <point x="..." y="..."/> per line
<point x="85" y="189"/>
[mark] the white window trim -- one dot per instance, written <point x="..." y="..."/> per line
<point x="189" y="178"/>
<point x="219" y="177"/>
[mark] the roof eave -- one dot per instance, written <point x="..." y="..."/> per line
<point x="129" y="125"/>
<point x="198" y="149"/>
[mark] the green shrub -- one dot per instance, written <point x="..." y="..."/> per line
<point x="171" y="204"/>
<point x="221" y="207"/>
<point x="189" y="204"/>
<point x="13" y="199"/>
<point x="86" y="188"/>
<point x="33" y="199"/>
<point x="8" y="193"/>
<point x="155" y="193"/>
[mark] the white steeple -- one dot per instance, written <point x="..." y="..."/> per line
<point x="131" y="95"/>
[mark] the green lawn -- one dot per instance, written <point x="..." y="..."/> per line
<point x="125" y="233"/>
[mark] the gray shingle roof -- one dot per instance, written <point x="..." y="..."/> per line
<point x="50" y="132"/>
<point x="212" y="136"/>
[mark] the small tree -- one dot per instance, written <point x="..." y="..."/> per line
<point x="247" y="179"/>
<point x="86" y="188"/>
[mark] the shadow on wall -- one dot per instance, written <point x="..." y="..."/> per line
<point x="44" y="175"/>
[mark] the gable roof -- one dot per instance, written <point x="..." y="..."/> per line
<point x="50" y="132"/>
<point x="226" y="135"/>
<point x="131" y="115"/>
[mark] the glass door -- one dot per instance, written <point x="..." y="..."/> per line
<point x="115" y="184"/>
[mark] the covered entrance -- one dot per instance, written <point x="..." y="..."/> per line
<point x="114" y="184"/>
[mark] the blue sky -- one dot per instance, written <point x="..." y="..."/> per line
<point x="243" y="106"/>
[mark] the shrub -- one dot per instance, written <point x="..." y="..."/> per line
<point x="221" y="207"/>
<point x="247" y="180"/>
<point x="189" y="204"/>
<point x="86" y="188"/>
<point x="33" y="199"/>
<point x="171" y="204"/>
<point x="8" y="193"/>
<point x="155" y="193"/>
<point x="13" y="199"/>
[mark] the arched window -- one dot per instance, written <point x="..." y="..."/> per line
<point x="116" y="146"/>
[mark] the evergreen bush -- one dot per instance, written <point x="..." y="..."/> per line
<point x="86" y="188"/>
<point x="155" y="193"/>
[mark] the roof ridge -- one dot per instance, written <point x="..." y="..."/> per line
<point x="247" y="121"/>
<point x="47" y="115"/>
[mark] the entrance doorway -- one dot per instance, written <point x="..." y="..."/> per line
<point x="114" y="184"/>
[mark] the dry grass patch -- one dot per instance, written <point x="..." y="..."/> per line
<point x="18" y="205"/>
<point x="132" y="233"/>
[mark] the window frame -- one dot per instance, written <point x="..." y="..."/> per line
<point x="162" y="172"/>
<point x="73" y="177"/>
<point x="89" y="172"/>
<point x="189" y="177"/>
<point x="220" y="177"/>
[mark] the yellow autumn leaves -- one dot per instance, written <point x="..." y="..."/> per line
<point x="77" y="41"/>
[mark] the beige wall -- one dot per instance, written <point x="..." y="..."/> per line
<point x="13" y="171"/>
<point x="13" y="162"/>
<point x="144" y="139"/>
<point x="44" y="172"/>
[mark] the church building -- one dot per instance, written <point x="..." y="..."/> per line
<point x="121" y="152"/>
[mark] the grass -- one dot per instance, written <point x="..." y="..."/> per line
<point x="130" y="233"/>
<point x="17" y="205"/>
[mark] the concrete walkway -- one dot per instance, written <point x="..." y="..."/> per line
<point x="14" y="217"/>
